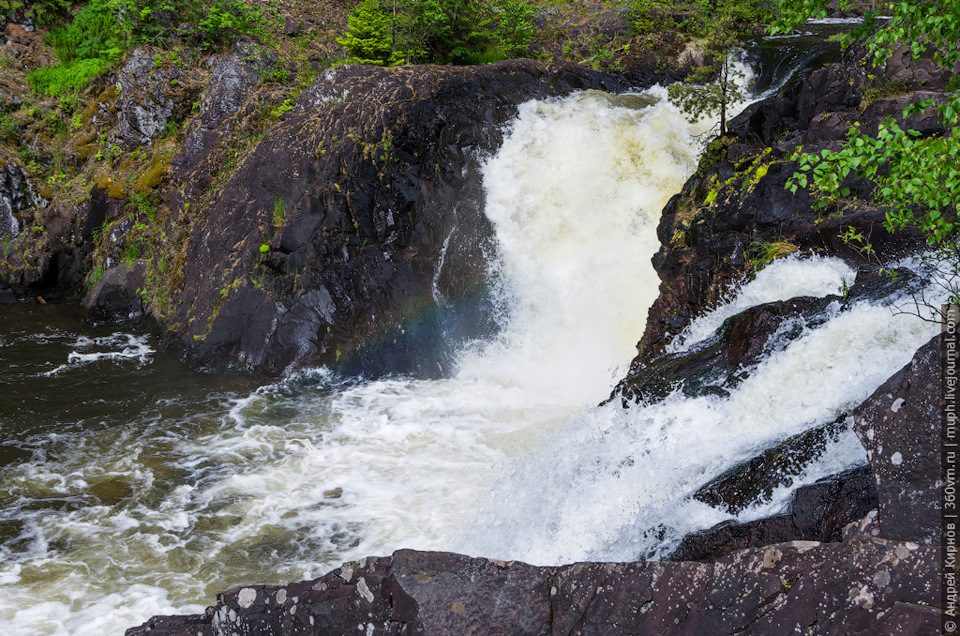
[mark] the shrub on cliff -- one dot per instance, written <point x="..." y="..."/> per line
<point x="103" y="30"/>
<point x="370" y="38"/>
<point x="917" y="176"/>
<point x="91" y="42"/>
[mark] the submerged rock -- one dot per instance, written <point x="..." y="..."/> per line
<point x="819" y="512"/>
<point x="754" y="480"/>
<point x="721" y="362"/>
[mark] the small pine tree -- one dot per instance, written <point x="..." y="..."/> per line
<point x="368" y="37"/>
<point x="713" y="87"/>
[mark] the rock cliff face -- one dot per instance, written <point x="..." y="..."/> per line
<point x="325" y="244"/>
<point x="711" y="231"/>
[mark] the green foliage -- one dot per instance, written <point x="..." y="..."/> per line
<point x="512" y="26"/>
<point x="712" y="88"/>
<point x="95" y="275"/>
<point x="93" y="41"/>
<point x="60" y="78"/>
<point x="285" y="107"/>
<point x="132" y="251"/>
<point x="445" y="30"/>
<point x="368" y="38"/>
<point x="696" y="17"/>
<point x="219" y="22"/>
<point x="917" y="176"/>
<point x="144" y="205"/>
<point x="390" y="32"/>
<point x="279" y="213"/>
<point x="103" y="30"/>
<point x="280" y="75"/>
<point x="762" y="253"/>
<point x="95" y="32"/>
<point x="42" y="12"/>
<point x="9" y="129"/>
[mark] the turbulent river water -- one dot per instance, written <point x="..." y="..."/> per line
<point x="131" y="485"/>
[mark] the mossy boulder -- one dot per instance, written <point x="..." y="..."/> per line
<point x="355" y="191"/>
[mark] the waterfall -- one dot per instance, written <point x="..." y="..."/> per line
<point x="509" y="457"/>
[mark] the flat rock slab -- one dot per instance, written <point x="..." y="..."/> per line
<point x="828" y="588"/>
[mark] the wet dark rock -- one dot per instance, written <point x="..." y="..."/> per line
<point x="883" y="285"/>
<point x="198" y="625"/>
<point x="753" y="481"/>
<point x="354" y="196"/>
<point x="61" y="255"/>
<point x="721" y="362"/>
<point x="828" y="587"/>
<point x="7" y="297"/>
<point x="117" y="294"/>
<point x="148" y="97"/>
<point x="819" y="512"/>
<point x="900" y="426"/>
<point x="234" y="77"/>
<point x="706" y="245"/>
<point x="16" y="195"/>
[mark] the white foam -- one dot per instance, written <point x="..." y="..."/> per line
<point x="133" y="348"/>
<point x="594" y="490"/>
<point x="780" y="280"/>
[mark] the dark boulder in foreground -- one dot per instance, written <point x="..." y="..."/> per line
<point x="831" y="588"/>
<point x="900" y="426"/>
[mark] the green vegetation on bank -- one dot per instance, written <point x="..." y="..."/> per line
<point x="41" y="12"/>
<point x="916" y="175"/>
<point x="698" y="17"/>
<point x="391" y="32"/>
<point x="103" y="30"/>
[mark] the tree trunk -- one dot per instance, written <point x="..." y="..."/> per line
<point x="724" y="94"/>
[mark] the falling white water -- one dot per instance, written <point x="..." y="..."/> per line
<point x="509" y="458"/>
<point x="616" y="483"/>
<point x="575" y="194"/>
<point x="781" y="280"/>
